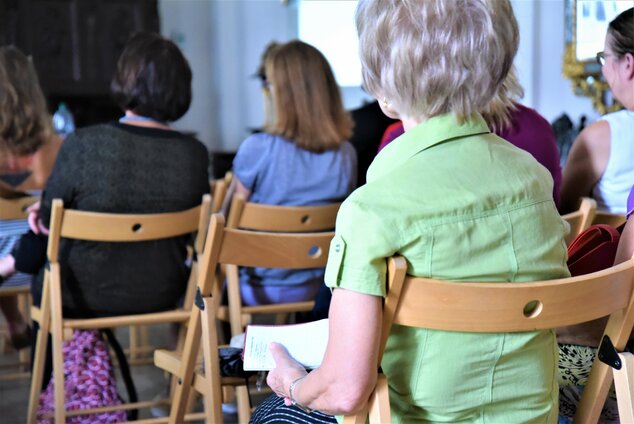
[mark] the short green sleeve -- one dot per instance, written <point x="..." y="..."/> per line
<point x="358" y="252"/>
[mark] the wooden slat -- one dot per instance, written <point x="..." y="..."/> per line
<point x="499" y="307"/>
<point x="15" y="291"/>
<point x="288" y="218"/>
<point x="122" y="321"/>
<point x="96" y="226"/>
<point x="283" y="250"/>
<point x="15" y="208"/>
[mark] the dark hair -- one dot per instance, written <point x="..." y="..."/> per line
<point x="621" y="30"/>
<point x="152" y="78"/>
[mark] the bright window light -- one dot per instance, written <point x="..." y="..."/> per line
<point x="593" y="18"/>
<point x="329" y="26"/>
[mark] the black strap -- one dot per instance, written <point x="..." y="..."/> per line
<point x="125" y="371"/>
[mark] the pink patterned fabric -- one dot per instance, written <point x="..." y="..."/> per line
<point x="88" y="379"/>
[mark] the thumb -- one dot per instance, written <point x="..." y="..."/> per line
<point x="279" y="353"/>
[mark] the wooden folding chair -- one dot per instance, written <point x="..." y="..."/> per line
<point x="241" y="248"/>
<point x="270" y="218"/>
<point x="580" y="219"/>
<point x="611" y="219"/>
<point x="80" y="225"/>
<point x="13" y="209"/>
<point x="509" y="307"/>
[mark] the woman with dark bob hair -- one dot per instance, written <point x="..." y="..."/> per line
<point x="459" y="204"/>
<point x="137" y="165"/>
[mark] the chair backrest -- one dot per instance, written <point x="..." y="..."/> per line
<point x="111" y="227"/>
<point x="611" y="219"/>
<point x="231" y="246"/>
<point x="518" y="307"/>
<point x="15" y="208"/>
<point x="254" y="216"/>
<point x="580" y="219"/>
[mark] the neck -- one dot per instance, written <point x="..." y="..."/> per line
<point x="132" y="118"/>
<point x="410" y="123"/>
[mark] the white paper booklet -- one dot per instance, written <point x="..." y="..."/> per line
<point x="306" y="343"/>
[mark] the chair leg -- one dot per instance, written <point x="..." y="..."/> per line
<point x="57" y="332"/>
<point x="58" y="377"/>
<point x="39" y="358"/>
<point x="212" y="397"/>
<point x="244" y="406"/>
<point x="24" y="306"/>
<point x="380" y="403"/>
<point x="186" y="371"/>
<point x="38" y="371"/>
<point x="134" y="342"/>
<point x="624" y="385"/>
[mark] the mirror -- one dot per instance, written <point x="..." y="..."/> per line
<point x="586" y="23"/>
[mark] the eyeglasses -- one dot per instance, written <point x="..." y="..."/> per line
<point x="601" y="57"/>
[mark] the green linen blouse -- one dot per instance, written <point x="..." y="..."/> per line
<point x="460" y="204"/>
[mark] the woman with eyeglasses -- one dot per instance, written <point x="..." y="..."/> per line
<point x="601" y="160"/>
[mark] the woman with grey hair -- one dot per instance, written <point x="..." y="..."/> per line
<point x="460" y="204"/>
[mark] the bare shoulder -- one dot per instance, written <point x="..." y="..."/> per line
<point x="596" y="136"/>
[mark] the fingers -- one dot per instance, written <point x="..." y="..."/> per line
<point x="34" y="207"/>
<point x="33" y="222"/>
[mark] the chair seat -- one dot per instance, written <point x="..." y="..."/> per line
<point x="15" y="290"/>
<point x="278" y="308"/>
<point x="170" y="361"/>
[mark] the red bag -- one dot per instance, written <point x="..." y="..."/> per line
<point x="594" y="249"/>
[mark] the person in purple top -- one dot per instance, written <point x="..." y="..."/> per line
<point x="520" y="125"/>
<point x="626" y="242"/>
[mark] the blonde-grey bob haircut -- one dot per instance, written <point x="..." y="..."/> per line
<point x="430" y="57"/>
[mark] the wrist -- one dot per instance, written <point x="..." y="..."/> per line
<point x="292" y="393"/>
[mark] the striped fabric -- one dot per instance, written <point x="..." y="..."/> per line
<point x="273" y="410"/>
<point x="10" y="232"/>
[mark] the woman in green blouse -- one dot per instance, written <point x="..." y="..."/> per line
<point x="460" y="204"/>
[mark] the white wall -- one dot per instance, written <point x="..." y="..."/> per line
<point x="223" y="40"/>
<point x="187" y="23"/>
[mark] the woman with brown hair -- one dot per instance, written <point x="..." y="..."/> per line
<point x="28" y="148"/>
<point x="301" y="159"/>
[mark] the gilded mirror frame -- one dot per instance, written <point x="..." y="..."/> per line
<point x="584" y="75"/>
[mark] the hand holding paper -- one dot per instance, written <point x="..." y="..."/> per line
<point x="306" y="343"/>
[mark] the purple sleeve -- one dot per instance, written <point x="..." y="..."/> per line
<point x="630" y="202"/>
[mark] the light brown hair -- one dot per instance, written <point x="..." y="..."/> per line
<point x="25" y="124"/>
<point x="306" y="100"/>
<point x="497" y="113"/>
